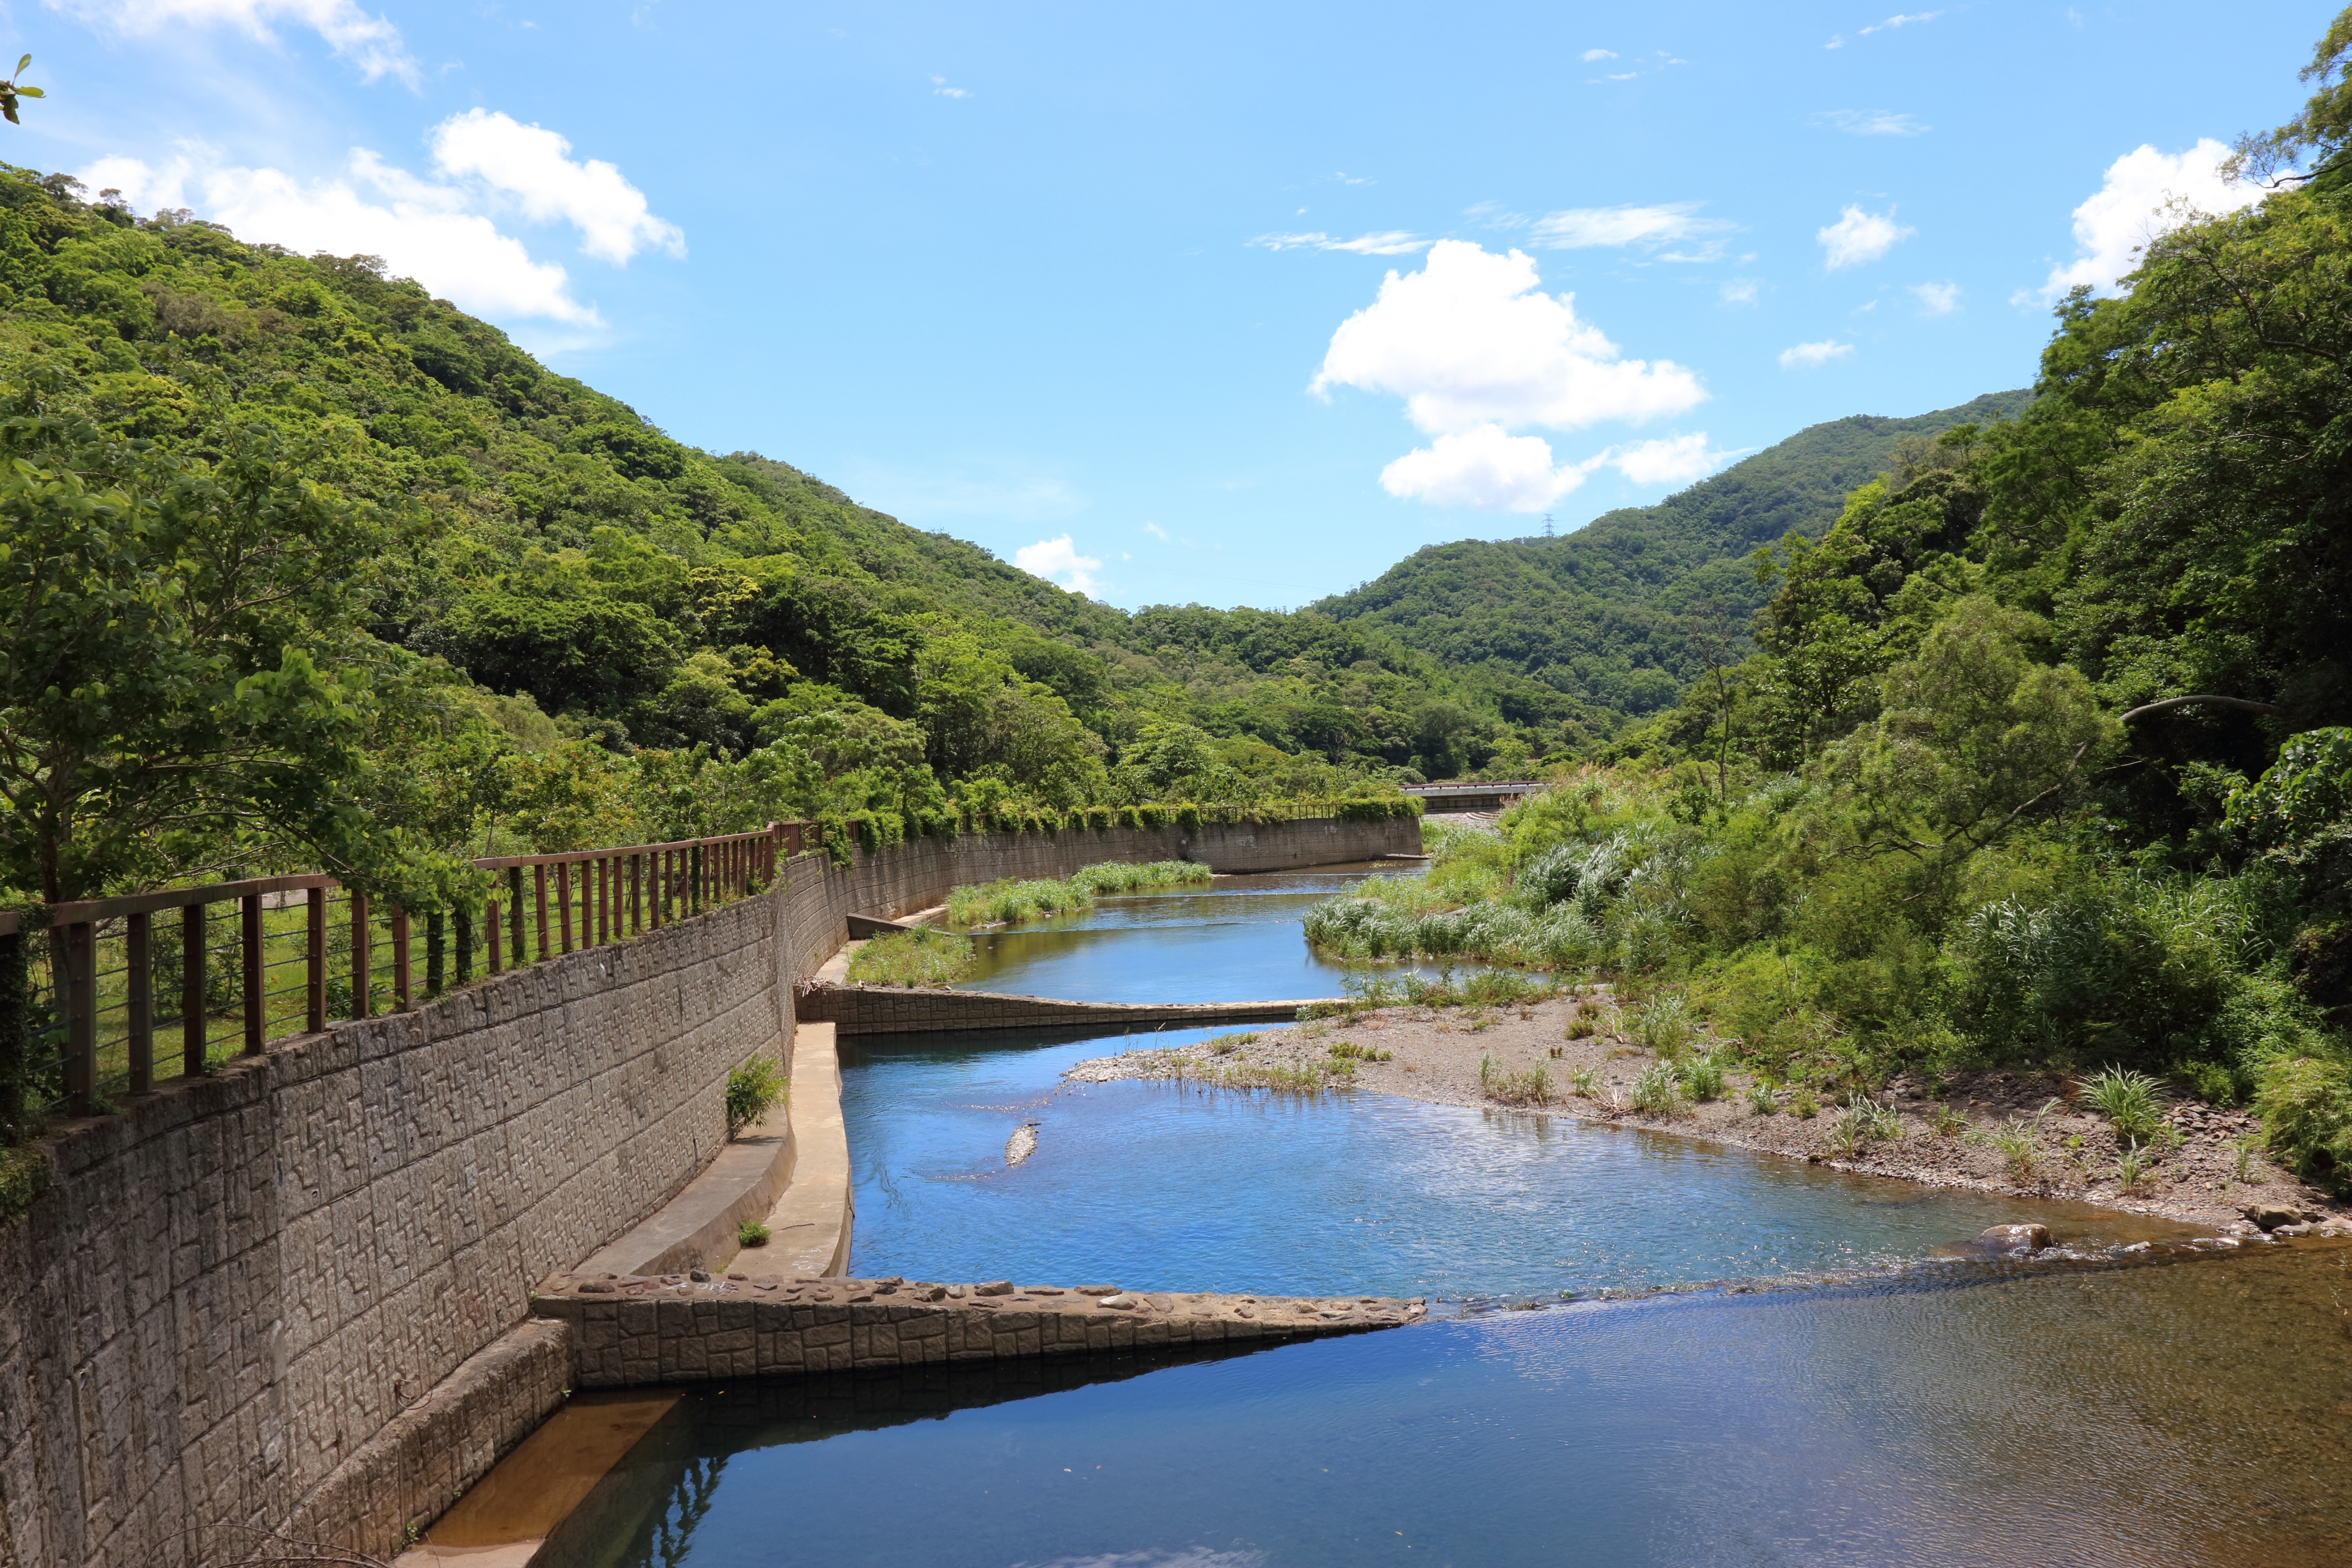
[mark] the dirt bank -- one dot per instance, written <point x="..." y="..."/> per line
<point x="2203" y="1167"/>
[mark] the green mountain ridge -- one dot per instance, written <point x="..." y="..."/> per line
<point x="1608" y="618"/>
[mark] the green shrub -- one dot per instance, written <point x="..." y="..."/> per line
<point x="1701" y="1076"/>
<point x="752" y="1090"/>
<point x="24" y="1174"/>
<point x="750" y="1232"/>
<point x="1658" y="1091"/>
<point x="924" y="956"/>
<point x="1006" y="900"/>
<point x="2306" y="1105"/>
<point x="1532" y="1087"/>
<point x="1664" y="1025"/>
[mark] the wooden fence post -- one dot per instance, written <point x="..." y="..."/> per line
<point x="538" y="881"/>
<point x="498" y="938"/>
<point x="191" y="990"/>
<point x="314" y="969"/>
<point x="139" y="1003"/>
<point x="249" y="949"/>
<point x="73" y="976"/>
<point x="400" y="976"/>
<point x="362" y="1004"/>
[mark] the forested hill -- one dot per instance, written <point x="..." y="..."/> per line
<point x="1614" y="617"/>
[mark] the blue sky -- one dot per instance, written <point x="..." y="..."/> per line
<point x="1096" y="285"/>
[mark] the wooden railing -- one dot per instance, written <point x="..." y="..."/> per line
<point x="116" y="978"/>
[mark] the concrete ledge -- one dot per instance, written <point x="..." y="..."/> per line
<point x="808" y="1229"/>
<point x="633" y="1331"/>
<point x="425" y="1457"/>
<point x="874" y="925"/>
<point x="896" y="1010"/>
<point x="697" y="1228"/>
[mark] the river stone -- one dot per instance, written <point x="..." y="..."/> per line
<point x="2015" y="1238"/>
<point x="1117" y="1302"/>
<point x="993" y="1287"/>
<point x="1099" y="1290"/>
<point x="2270" y="1216"/>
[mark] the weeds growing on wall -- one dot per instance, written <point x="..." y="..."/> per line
<point x="752" y="1090"/>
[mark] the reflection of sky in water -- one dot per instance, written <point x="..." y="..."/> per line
<point x="1162" y="1186"/>
<point x="2075" y="1419"/>
<point x="1240" y="941"/>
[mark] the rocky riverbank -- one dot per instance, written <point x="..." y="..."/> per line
<point x="1997" y="1132"/>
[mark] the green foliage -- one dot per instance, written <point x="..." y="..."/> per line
<point x="752" y="1090"/>
<point x="750" y="1232"/>
<point x="2131" y="1101"/>
<point x="921" y="957"/>
<point x="23" y="1176"/>
<point x="998" y="902"/>
<point x="2306" y="1103"/>
<point x="1702" y="1078"/>
<point x="1658" y="1089"/>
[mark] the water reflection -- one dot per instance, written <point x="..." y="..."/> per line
<point x="2184" y="1413"/>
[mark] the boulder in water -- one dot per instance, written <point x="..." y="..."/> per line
<point x="2017" y="1240"/>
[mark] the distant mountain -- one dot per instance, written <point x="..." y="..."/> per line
<point x="1605" y="617"/>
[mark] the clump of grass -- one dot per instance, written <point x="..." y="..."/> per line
<point x="1532" y="1087"/>
<point x="1804" y="1105"/>
<point x="2244" y="1148"/>
<point x="1309" y="1077"/>
<point x="750" y="1232"/>
<point x="1226" y="1045"/>
<point x="1701" y="1076"/>
<point x="1658" y="1091"/>
<point x="2131" y="1166"/>
<point x="1584" y="1082"/>
<point x="1946" y="1120"/>
<point x="1350" y="1050"/>
<point x="924" y="956"/>
<point x="1862" y="1124"/>
<point x="2014" y="1140"/>
<point x="1581" y="1027"/>
<point x="2131" y="1101"/>
<point x="1007" y="899"/>
<point x="752" y="1090"/>
<point x="1664" y="1025"/>
<point x="1761" y="1099"/>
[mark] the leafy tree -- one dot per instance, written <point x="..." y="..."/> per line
<point x="169" y="690"/>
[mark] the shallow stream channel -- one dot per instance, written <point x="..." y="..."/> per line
<point x="1644" y="1349"/>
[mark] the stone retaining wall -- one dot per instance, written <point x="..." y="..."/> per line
<point x="898" y="1010"/>
<point x="232" y="1290"/>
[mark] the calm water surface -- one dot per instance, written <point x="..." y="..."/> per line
<point x="1955" y="1412"/>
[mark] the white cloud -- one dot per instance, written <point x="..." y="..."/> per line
<point x="2130" y="209"/>
<point x="371" y="42"/>
<point x="420" y="230"/>
<point x="1581" y="228"/>
<point x="1156" y="532"/>
<point x="1590" y="55"/>
<point x="1484" y="468"/>
<point x="529" y="163"/>
<point x="1811" y="356"/>
<point x="1872" y="123"/>
<point x="941" y="89"/>
<point x="1677" y="461"/>
<point x="1470" y="339"/>
<point x="1858" y="236"/>
<point x="1487" y="468"/>
<point x="1058" y="561"/>
<point x="1387" y="242"/>
<point x="1740" y="291"/>
<point x="1837" y="41"/>
<point x="1938" y="299"/>
<point x="1892" y="23"/>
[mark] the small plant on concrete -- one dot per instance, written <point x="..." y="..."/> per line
<point x="750" y="1232"/>
<point x="2131" y="1101"/>
<point x="752" y="1090"/>
<point x="1703" y="1076"/>
<point x="1658" y="1091"/>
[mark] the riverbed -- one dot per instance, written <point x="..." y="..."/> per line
<point x="1650" y="1349"/>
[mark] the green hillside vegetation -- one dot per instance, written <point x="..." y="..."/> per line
<point x="397" y="591"/>
<point x="1934" y="821"/>
<point x="1614" y="619"/>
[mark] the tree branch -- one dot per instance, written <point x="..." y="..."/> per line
<point x="2168" y="704"/>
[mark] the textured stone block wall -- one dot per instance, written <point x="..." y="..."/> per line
<point x="896" y="1010"/>
<point x="234" y="1287"/>
<point x="236" y="1295"/>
